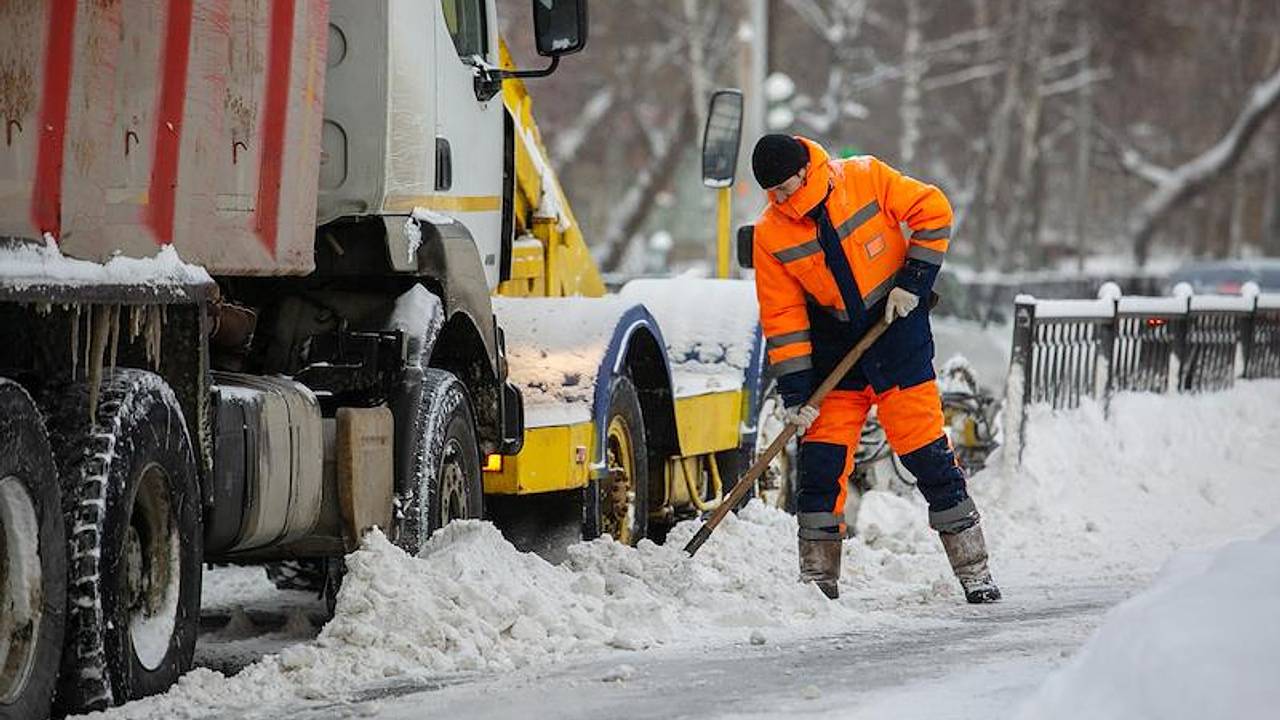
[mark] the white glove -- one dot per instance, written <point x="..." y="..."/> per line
<point x="802" y="416"/>
<point x="900" y="303"/>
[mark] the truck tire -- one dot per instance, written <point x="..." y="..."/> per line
<point x="621" y="502"/>
<point x="447" y="464"/>
<point x="132" y="504"/>
<point x="33" y="560"/>
<point x="777" y="485"/>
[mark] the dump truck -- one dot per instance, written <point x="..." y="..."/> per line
<point x="274" y="275"/>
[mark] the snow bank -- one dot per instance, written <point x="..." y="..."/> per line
<point x="24" y="265"/>
<point x="1107" y="494"/>
<point x="473" y="602"/>
<point x="1203" y="642"/>
<point x="709" y="327"/>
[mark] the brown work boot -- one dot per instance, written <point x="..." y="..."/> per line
<point x="820" y="564"/>
<point x="967" y="551"/>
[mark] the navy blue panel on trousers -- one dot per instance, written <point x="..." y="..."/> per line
<point x="821" y="465"/>
<point x="938" y="476"/>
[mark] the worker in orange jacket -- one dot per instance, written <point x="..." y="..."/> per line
<point x="830" y="259"/>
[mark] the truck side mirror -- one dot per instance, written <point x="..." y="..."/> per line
<point x="721" y="138"/>
<point x="559" y="26"/>
<point x="746" y="245"/>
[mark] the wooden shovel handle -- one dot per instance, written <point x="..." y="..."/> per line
<point x="747" y="481"/>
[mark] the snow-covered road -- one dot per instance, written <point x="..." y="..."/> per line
<point x="958" y="662"/>
<point x="478" y="629"/>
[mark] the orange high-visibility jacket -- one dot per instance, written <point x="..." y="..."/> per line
<point x="810" y="318"/>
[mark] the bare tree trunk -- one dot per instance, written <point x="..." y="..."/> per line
<point x="1238" y="222"/>
<point x="753" y="69"/>
<point x="1271" y="241"/>
<point x="986" y="91"/>
<point x="1001" y="127"/>
<point x="1031" y="103"/>
<point x="1084" y="151"/>
<point x="913" y="66"/>
<point x="699" y="72"/>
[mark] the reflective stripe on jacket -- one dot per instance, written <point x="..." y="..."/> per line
<point x="811" y="318"/>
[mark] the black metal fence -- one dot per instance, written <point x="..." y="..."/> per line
<point x="1065" y="350"/>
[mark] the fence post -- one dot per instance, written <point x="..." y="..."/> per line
<point x="1018" y="385"/>
<point x="1102" y="370"/>
<point x="1248" y="329"/>
<point x="1178" y="346"/>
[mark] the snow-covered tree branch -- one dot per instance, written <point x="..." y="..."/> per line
<point x="1176" y="185"/>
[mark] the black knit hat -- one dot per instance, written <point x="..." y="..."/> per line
<point x="776" y="158"/>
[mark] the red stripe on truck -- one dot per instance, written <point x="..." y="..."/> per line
<point x="168" y="138"/>
<point x="271" y="165"/>
<point x="46" y="196"/>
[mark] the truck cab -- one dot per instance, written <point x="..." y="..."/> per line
<point x="396" y="139"/>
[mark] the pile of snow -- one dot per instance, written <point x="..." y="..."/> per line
<point x="1100" y="493"/>
<point x="1203" y="642"/>
<point x="473" y="602"/>
<point x="709" y="327"/>
<point x="25" y="265"/>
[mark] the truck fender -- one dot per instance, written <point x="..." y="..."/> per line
<point x="753" y="382"/>
<point x="638" y="350"/>
<point x="448" y="255"/>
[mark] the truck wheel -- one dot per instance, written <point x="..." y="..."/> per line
<point x="777" y="485"/>
<point x="620" y="506"/>
<point x="447" y="464"/>
<point x="130" y="485"/>
<point x="33" y="561"/>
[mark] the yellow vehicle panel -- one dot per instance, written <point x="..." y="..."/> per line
<point x="710" y="422"/>
<point x="553" y="458"/>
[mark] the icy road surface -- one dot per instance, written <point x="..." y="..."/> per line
<point x="478" y="629"/>
<point x="956" y="662"/>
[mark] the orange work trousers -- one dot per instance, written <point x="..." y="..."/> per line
<point x="912" y="421"/>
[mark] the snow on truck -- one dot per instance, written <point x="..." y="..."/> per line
<point x="273" y="274"/>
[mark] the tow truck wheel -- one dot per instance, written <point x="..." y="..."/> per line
<point x="133" y="507"/>
<point x="620" y="506"/>
<point x="448" y="461"/>
<point x="776" y="486"/>
<point x="33" y="563"/>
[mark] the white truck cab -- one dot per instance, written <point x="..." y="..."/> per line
<point x="396" y="138"/>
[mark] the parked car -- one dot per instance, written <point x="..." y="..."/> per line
<point x="1226" y="277"/>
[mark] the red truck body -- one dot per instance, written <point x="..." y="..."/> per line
<point x="157" y="122"/>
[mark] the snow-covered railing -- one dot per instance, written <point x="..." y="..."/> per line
<point x="1064" y="350"/>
